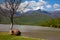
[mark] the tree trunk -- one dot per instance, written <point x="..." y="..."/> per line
<point x="11" y="23"/>
<point x="11" y="19"/>
<point x="11" y="26"/>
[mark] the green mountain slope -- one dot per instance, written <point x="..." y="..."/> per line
<point x="32" y="19"/>
<point x="29" y="19"/>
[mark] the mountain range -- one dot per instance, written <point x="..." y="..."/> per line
<point x="53" y="14"/>
<point x="33" y="17"/>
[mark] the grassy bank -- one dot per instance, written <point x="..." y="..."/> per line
<point x="6" y="36"/>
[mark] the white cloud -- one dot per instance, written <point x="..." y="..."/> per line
<point x="21" y="7"/>
<point x="57" y="9"/>
<point x="27" y="10"/>
<point x="37" y="5"/>
<point x="56" y="5"/>
<point x="42" y="2"/>
<point x="48" y="6"/>
<point x="33" y="5"/>
<point x="37" y="8"/>
<point x="2" y="5"/>
<point x="42" y="8"/>
<point x="23" y="4"/>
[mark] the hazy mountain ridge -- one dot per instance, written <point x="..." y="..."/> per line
<point x="55" y="14"/>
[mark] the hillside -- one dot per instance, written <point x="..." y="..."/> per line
<point x="31" y="19"/>
<point x="39" y="19"/>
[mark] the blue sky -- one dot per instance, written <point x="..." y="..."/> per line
<point x="49" y="1"/>
<point x="53" y="1"/>
<point x="48" y="5"/>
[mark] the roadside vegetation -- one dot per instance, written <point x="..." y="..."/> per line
<point x="6" y="36"/>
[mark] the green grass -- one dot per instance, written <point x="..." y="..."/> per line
<point x="6" y="36"/>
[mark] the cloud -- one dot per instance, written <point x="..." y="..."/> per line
<point x="42" y="8"/>
<point x="48" y="6"/>
<point x="42" y="2"/>
<point x="27" y="10"/>
<point x="37" y="5"/>
<point x="37" y="8"/>
<point x="21" y="7"/>
<point x="23" y="4"/>
<point x="57" y="9"/>
<point x="33" y="5"/>
<point x="56" y="5"/>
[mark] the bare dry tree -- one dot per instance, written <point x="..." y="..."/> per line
<point x="10" y="8"/>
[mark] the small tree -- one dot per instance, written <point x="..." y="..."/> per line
<point x="0" y="19"/>
<point x="10" y="8"/>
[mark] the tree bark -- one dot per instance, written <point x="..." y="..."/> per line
<point x="11" y="19"/>
<point x="11" y="23"/>
<point x="11" y="26"/>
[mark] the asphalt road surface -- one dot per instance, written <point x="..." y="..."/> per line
<point x="48" y="33"/>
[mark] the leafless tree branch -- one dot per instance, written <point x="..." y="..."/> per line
<point x="11" y="7"/>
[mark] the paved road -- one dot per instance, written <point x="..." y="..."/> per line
<point x="35" y="31"/>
